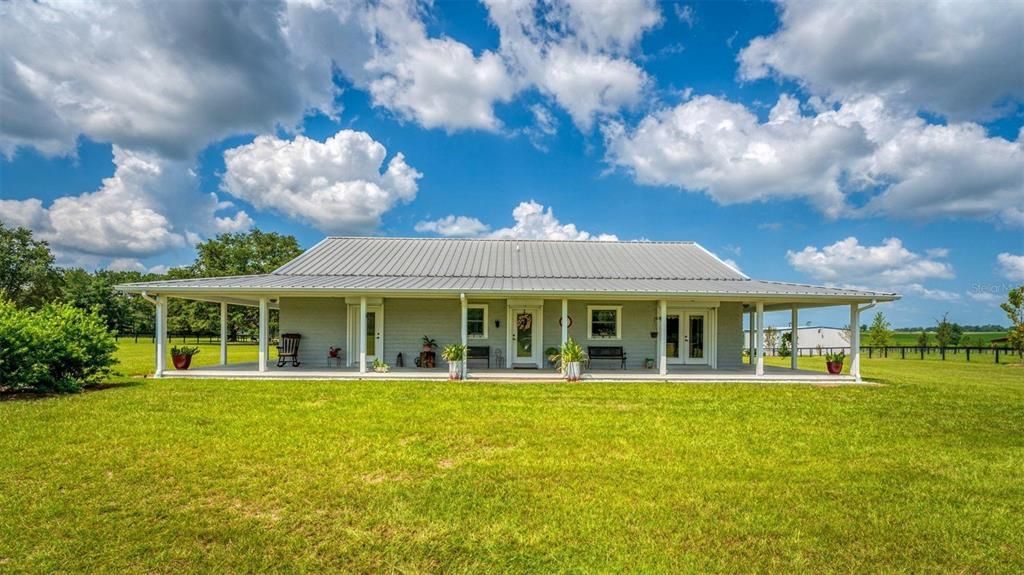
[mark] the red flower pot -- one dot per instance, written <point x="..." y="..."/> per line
<point x="834" y="367"/>
<point x="181" y="361"/>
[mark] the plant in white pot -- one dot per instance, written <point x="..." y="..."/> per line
<point x="454" y="354"/>
<point x="572" y="359"/>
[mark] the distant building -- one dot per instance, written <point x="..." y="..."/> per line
<point x="809" y="338"/>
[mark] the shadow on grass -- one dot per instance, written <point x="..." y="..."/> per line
<point x="10" y="395"/>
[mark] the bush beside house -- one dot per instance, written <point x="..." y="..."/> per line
<point x="55" y="349"/>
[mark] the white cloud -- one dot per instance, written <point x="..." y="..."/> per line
<point x="1011" y="266"/>
<point x="147" y="206"/>
<point x="166" y="77"/>
<point x="336" y="185"/>
<point x="960" y="59"/>
<point x="907" y="168"/>
<point x="685" y="14"/>
<point x="732" y="263"/>
<point x="929" y="293"/>
<point x="887" y="265"/>
<point x="457" y="226"/>
<point x="133" y="265"/>
<point x="575" y="51"/>
<point x="532" y="222"/>
<point x="984" y="297"/>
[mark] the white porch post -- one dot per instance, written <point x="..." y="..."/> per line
<point x="223" y="333"/>
<point x="750" y="344"/>
<point x="662" y="340"/>
<point x="264" y="334"/>
<point x="794" y="322"/>
<point x="565" y="321"/>
<point x="362" y="334"/>
<point x="855" y="341"/>
<point x="464" y="333"/>
<point x="759" y="370"/>
<point x="161" y="335"/>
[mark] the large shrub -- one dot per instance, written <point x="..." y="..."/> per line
<point x="58" y="348"/>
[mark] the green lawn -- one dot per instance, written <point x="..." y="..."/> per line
<point x="139" y="358"/>
<point x="922" y="474"/>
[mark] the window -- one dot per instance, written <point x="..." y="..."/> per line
<point x="476" y="321"/>
<point x="605" y="322"/>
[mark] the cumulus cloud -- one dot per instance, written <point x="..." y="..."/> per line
<point x="960" y="59"/>
<point x="887" y="265"/>
<point x="906" y="167"/>
<point x="147" y="206"/>
<point x="457" y="226"/>
<point x="576" y="52"/>
<point x="532" y="222"/>
<point x="1011" y="266"/>
<point x="166" y="77"/>
<point x="336" y="185"/>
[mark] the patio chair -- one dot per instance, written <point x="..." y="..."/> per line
<point x="288" y="348"/>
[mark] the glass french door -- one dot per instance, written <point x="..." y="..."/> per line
<point x="525" y="345"/>
<point x="374" y="335"/>
<point x="686" y="337"/>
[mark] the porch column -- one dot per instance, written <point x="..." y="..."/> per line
<point x="794" y="322"/>
<point x="161" y="335"/>
<point x="565" y="321"/>
<point x="662" y="340"/>
<point x="464" y="334"/>
<point x="223" y="333"/>
<point x="264" y="333"/>
<point x="750" y="343"/>
<point x="855" y="341"/>
<point x="362" y="334"/>
<point x="759" y="370"/>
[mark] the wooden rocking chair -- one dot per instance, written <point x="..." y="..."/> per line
<point x="288" y="348"/>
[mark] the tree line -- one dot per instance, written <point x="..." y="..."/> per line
<point x="30" y="278"/>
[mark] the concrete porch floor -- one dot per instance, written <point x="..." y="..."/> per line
<point x="676" y="373"/>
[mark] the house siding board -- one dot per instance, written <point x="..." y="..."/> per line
<point x="320" y="321"/>
<point x="637" y="324"/>
<point x="730" y="335"/>
<point x="406" y="321"/>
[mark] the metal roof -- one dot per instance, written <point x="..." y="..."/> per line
<point x="284" y="282"/>
<point x="462" y="258"/>
<point x="422" y="265"/>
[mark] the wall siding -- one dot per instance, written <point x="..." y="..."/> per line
<point x="320" y="321"/>
<point x="730" y="335"/>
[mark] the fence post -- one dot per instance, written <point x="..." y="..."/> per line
<point x="903" y="352"/>
<point x="921" y="349"/>
<point x="997" y="355"/>
<point x="968" y="355"/>
<point x="942" y="350"/>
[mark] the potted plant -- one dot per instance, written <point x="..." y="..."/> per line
<point x="649" y="363"/>
<point x="428" y="343"/>
<point x="571" y="357"/>
<point x="454" y="354"/>
<point x="182" y="356"/>
<point x="552" y="354"/>
<point x="834" y="362"/>
<point x="380" y="367"/>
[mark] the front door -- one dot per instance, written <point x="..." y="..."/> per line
<point x="673" y="338"/>
<point x="374" y="335"/>
<point x="525" y="341"/>
<point x="695" y="338"/>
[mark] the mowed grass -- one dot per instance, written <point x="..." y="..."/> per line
<point x="136" y="359"/>
<point x="924" y="473"/>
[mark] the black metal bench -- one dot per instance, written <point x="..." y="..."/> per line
<point x="610" y="352"/>
<point x="288" y="348"/>
<point x="478" y="352"/>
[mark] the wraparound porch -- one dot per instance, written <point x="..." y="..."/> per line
<point x="676" y="373"/>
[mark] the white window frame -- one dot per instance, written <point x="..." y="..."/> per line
<point x="484" y="307"/>
<point x="590" y="321"/>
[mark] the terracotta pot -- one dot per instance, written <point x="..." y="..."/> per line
<point x="181" y="361"/>
<point x="834" y="367"/>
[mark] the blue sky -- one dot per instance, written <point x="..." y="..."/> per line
<point x="881" y="154"/>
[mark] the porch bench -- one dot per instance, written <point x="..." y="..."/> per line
<point x="610" y="352"/>
<point x="478" y="352"/>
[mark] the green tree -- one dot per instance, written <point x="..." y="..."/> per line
<point x="922" y="340"/>
<point x="123" y="313"/>
<point x="27" y="275"/>
<point x="947" y="333"/>
<point x="1014" y="308"/>
<point x="243" y="253"/>
<point x="879" y="333"/>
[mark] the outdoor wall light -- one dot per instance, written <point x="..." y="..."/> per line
<point x="497" y="323"/>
